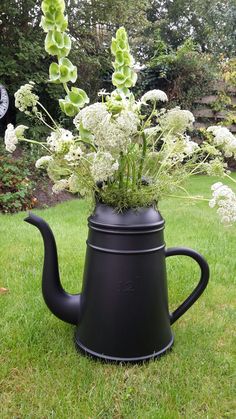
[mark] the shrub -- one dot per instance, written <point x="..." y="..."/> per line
<point x="185" y="74"/>
<point x="16" y="186"/>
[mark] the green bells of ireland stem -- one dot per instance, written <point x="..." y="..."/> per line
<point x="54" y="18"/>
<point x="58" y="43"/>
<point x="74" y="101"/>
<point x="124" y="76"/>
<point x="52" y="6"/>
<point x="54" y="21"/>
<point x="63" y="72"/>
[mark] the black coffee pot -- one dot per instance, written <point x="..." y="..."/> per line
<point x="122" y="312"/>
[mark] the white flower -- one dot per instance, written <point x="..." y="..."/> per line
<point x="212" y="203"/>
<point x="176" y="148"/>
<point x="25" y="99"/>
<point x="176" y="121"/>
<point x="151" y="133"/>
<point x="10" y="138"/>
<point x="60" y="141"/>
<point x="190" y="147"/>
<point x="43" y="161"/>
<point x="224" y="139"/>
<point x="225" y="199"/>
<point x="73" y="183"/>
<point x="154" y="96"/>
<point x="128" y="122"/>
<point x="77" y="184"/>
<point x="103" y="92"/>
<point x="113" y="139"/>
<point x="103" y="166"/>
<point x="216" y="186"/>
<point x="93" y="117"/>
<point x="19" y="131"/>
<point x="110" y="134"/>
<point x="60" y="185"/>
<point x="74" y="154"/>
<point x="12" y="135"/>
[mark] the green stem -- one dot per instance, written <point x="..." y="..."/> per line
<point x="233" y="180"/>
<point x="144" y="152"/>
<point x="36" y="142"/>
<point x="47" y="113"/>
<point x="194" y="198"/>
<point x="128" y="174"/>
<point x="121" y="171"/>
<point x="66" y="88"/>
<point x="150" y="116"/>
<point x="133" y="175"/>
<point x="86" y="142"/>
<point x="193" y="172"/>
<point x="44" y="122"/>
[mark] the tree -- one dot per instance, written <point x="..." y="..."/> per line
<point x="210" y="23"/>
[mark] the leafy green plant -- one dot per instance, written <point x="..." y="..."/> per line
<point x="185" y="73"/>
<point x="16" y="188"/>
<point x="222" y="102"/>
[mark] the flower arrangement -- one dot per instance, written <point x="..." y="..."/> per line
<point x="126" y="152"/>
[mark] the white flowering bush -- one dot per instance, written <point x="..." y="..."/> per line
<point x="124" y="151"/>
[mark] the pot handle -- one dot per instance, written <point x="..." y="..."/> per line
<point x="205" y="273"/>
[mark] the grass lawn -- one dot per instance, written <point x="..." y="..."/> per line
<point x="42" y="375"/>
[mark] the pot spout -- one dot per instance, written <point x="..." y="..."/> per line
<point x="66" y="307"/>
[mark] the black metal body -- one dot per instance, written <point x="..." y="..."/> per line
<point x="122" y="313"/>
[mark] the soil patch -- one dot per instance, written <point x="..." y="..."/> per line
<point x="44" y="197"/>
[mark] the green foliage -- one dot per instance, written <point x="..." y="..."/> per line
<point x="229" y="71"/>
<point x="16" y="188"/>
<point x="185" y="74"/>
<point x="211" y="23"/>
<point x="222" y="102"/>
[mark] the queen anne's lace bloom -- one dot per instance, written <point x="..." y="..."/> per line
<point x="215" y="167"/>
<point x="225" y="199"/>
<point x="224" y="139"/>
<point x="43" y="162"/>
<point x="74" y="154"/>
<point x="128" y="122"/>
<point x="60" y="185"/>
<point x="60" y="141"/>
<point x="110" y="133"/>
<point x="154" y="96"/>
<point x="25" y="99"/>
<point x="93" y="116"/>
<point x="103" y="166"/>
<point x="13" y="135"/>
<point x="190" y="146"/>
<point x="177" y="148"/>
<point x="176" y="121"/>
<point x="113" y="139"/>
<point x="10" y="138"/>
